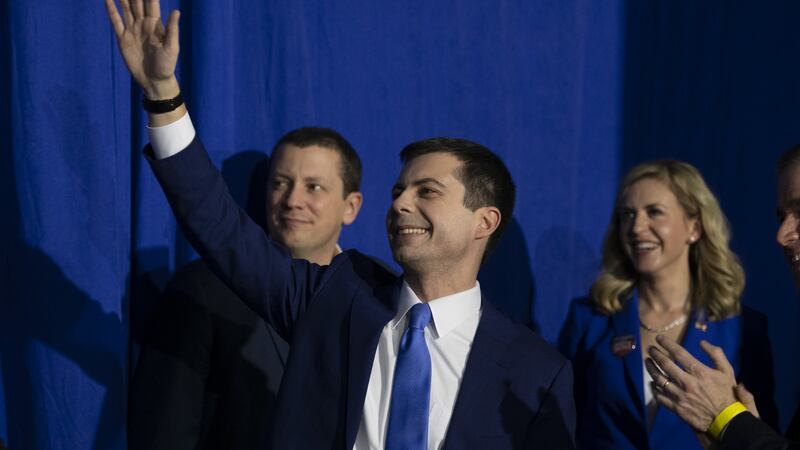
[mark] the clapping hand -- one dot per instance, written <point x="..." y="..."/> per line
<point x="695" y="392"/>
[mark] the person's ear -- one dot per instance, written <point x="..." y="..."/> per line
<point x="488" y="221"/>
<point x="352" y="205"/>
<point x="696" y="231"/>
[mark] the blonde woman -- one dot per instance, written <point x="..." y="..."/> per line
<point x="667" y="269"/>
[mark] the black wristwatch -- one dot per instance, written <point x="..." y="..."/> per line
<point x="162" y="106"/>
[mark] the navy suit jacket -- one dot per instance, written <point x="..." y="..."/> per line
<point x="609" y="390"/>
<point x="745" y="432"/>
<point x="516" y="390"/>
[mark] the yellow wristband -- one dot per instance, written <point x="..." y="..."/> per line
<point x="727" y="414"/>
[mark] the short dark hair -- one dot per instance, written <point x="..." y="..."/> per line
<point x="789" y="158"/>
<point x="350" y="163"/>
<point x="486" y="180"/>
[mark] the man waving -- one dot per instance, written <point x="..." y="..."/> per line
<point x="420" y="361"/>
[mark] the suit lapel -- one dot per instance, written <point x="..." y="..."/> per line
<point x="483" y="364"/>
<point x="368" y="315"/>
<point x="626" y="324"/>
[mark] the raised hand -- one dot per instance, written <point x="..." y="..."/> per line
<point x="150" y="51"/>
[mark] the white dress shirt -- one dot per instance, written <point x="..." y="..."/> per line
<point x="650" y="403"/>
<point x="449" y="338"/>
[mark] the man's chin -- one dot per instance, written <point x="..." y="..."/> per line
<point x="404" y="256"/>
<point x="291" y="241"/>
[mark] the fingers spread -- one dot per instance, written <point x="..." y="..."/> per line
<point x="116" y="20"/>
<point x="668" y="366"/>
<point x="679" y="354"/>
<point x="717" y="356"/>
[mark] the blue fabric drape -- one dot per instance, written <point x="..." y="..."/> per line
<point x="568" y="93"/>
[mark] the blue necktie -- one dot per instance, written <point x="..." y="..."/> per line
<point x="411" y="391"/>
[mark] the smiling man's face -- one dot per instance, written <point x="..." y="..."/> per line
<point x="427" y="223"/>
<point x="788" y="236"/>
<point x="306" y="203"/>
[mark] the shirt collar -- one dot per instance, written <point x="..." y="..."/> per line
<point x="448" y="312"/>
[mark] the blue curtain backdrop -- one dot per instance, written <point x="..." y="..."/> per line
<point x="569" y="93"/>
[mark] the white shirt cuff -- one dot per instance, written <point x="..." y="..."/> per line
<point x="171" y="139"/>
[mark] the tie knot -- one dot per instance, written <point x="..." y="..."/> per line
<point x="419" y="316"/>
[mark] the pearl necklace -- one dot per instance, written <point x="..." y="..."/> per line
<point x="666" y="327"/>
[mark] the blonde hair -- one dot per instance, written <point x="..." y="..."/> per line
<point x="717" y="278"/>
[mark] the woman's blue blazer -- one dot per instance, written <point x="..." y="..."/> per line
<point x="609" y="389"/>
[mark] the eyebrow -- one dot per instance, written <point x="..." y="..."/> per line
<point x="313" y="179"/>
<point x="429" y="180"/>
<point x="420" y="182"/>
<point x="629" y="208"/>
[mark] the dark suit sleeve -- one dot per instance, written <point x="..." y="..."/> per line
<point x="167" y="391"/>
<point x="554" y="425"/>
<point x="757" y="370"/>
<point x="745" y="432"/>
<point x="234" y="247"/>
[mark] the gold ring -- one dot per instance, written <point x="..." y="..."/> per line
<point x="664" y="385"/>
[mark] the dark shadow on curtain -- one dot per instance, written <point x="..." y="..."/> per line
<point x="714" y="84"/>
<point x="507" y="278"/>
<point x="40" y="305"/>
<point x="564" y="260"/>
<point x="245" y="173"/>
